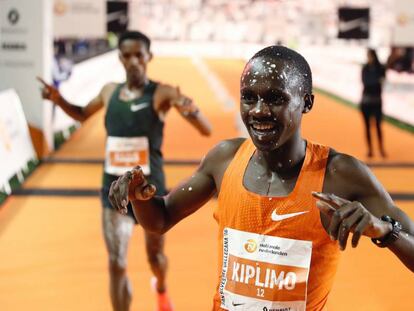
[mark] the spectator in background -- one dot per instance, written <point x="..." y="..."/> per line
<point x="373" y="75"/>
<point x="62" y="66"/>
<point x="401" y="59"/>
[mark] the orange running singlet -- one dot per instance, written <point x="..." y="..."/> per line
<point x="274" y="252"/>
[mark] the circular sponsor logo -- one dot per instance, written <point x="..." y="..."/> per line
<point x="250" y="246"/>
<point x="60" y="7"/>
<point x="402" y="19"/>
<point x="13" y="16"/>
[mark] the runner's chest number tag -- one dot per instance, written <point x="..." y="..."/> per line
<point x="263" y="272"/>
<point x="124" y="153"/>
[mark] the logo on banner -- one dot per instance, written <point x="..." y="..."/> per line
<point x="237" y="304"/>
<point x="403" y="19"/>
<point x="359" y="23"/>
<point x="250" y="246"/>
<point x="353" y="23"/>
<point x="60" y="7"/>
<point x="13" y="16"/>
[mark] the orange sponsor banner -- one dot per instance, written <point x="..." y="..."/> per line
<point x="266" y="281"/>
<point x="128" y="158"/>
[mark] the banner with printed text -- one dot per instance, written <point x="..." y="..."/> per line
<point x="26" y="52"/>
<point x="16" y="148"/>
<point x="79" y="18"/>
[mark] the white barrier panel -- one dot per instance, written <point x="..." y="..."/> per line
<point x="26" y="52"/>
<point x="79" y="18"/>
<point x="16" y="148"/>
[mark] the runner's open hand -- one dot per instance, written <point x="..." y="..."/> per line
<point x="184" y="104"/>
<point x="346" y="216"/>
<point x="128" y="187"/>
<point x="48" y="91"/>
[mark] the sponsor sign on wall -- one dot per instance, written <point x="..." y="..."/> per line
<point x="117" y="16"/>
<point x="353" y="23"/>
<point x="79" y="18"/>
<point x="404" y="23"/>
<point x="16" y="148"/>
<point x="26" y="52"/>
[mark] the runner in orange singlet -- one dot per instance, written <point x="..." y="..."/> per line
<point x="279" y="247"/>
<point x="270" y="242"/>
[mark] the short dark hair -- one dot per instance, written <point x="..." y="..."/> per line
<point x="294" y="58"/>
<point x="134" y="35"/>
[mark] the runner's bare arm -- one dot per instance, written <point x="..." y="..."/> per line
<point x="76" y="112"/>
<point x="158" y="214"/>
<point x="355" y="204"/>
<point x="186" y="108"/>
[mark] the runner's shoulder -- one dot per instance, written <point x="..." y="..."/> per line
<point x="223" y="152"/>
<point x="107" y="91"/>
<point x="110" y="86"/>
<point x="165" y="90"/>
<point x="345" y="171"/>
<point x="161" y="86"/>
<point x="345" y="164"/>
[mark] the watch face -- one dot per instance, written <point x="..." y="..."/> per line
<point x="387" y="219"/>
<point x="394" y="222"/>
<point x="398" y="225"/>
<point x="392" y="236"/>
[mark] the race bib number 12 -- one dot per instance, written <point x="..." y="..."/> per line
<point x="263" y="272"/>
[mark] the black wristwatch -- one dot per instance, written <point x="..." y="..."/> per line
<point x="391" y="237"/>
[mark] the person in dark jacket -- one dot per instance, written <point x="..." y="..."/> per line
<point x="373" y="75"/>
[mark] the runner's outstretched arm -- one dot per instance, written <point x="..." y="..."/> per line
<point x="76" y="112"/>
<point x="157" y="214"/>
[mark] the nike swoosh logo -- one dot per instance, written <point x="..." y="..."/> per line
<point x="137" y="107"/>
<point x="237" y="304"/>
<point x="355" y="23"/>
<point x="276" y="217"/>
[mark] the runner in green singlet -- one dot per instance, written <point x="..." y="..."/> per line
<point x="134" y="123"/>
